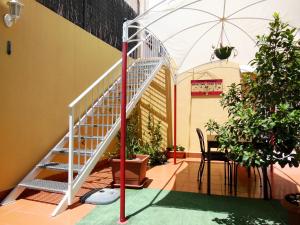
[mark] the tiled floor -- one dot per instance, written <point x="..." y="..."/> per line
<point x="36" y="207"/>
<point x="183" y="177"/>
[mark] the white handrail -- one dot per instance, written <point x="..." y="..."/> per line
<point x="86" y="91"/>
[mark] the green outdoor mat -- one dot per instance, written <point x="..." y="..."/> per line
<point x="157" y="207"/>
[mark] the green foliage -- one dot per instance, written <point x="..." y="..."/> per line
<point x="135" y="144"/>
<point x="153" y="146"/>
<point x="178" y="148"/>
<point x="133" y="135"/>
<point x="264" y="111"/>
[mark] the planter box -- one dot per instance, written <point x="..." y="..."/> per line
<point x="179" y="154"/>
<point x="135" y="171"/>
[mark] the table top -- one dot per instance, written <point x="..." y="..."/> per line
<point x="213" y="138"/>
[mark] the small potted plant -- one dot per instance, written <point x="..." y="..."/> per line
<point x="223" y="52"/>
<point x="292" y="203"/>
<point x="179" y="152"/>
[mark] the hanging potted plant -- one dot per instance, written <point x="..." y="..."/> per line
<point x="223" y="52"/>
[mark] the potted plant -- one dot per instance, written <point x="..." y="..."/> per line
<point x="139" y="153"/>
<point x="264" y="109"/>
<point x="223" y="52"/>
<point x="292" y="203"/>
<point x="135" y="173"/>
<point x="180" y="154"/>
<point x="135" y="164"/>
<point x="153" y="141"/>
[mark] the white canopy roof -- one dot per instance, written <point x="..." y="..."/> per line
<point x="189" y="28"/>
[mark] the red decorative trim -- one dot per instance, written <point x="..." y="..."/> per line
<point x="212" y="87"/>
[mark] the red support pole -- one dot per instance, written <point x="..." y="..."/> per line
<point x="123" y="133"/>
<point x="175" y="100"/>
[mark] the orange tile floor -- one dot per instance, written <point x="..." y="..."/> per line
<point x="35" y="207"/>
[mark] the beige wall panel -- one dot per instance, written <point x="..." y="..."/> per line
<point x="193" y="112"/>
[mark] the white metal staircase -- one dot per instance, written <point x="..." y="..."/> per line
<point x="94" y="120"/>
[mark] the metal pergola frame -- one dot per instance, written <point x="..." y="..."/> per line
<point x="126" y="39"/>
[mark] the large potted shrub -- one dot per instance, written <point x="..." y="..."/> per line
<point x="139" y="153"/>
<point x="264" y="110"/>
<point x="135" y="164"/>
<point x="152" y="141"/>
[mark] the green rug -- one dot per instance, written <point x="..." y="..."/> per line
<point x="156" y="207"/>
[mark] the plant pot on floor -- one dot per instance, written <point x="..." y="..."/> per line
<point x="179" y="154"/>
<point x="135" y="171"/>
<point x="291" y="203"/>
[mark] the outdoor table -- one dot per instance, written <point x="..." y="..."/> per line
<point x="211" y="143"/>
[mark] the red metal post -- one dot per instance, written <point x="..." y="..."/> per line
<point x="175" y="100"/>
<point x="123" y="132"/>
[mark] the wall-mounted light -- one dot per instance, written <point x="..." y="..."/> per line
<point x="14" y="12"/>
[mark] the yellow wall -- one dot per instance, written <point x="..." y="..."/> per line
<point x="52" y="62"/>
<point x="157" y="100"/>
<point x="193" y="112"/>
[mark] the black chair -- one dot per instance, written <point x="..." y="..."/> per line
<point x="214" y="156"/>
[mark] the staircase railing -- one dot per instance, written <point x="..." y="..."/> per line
<point x="89" y="124"/>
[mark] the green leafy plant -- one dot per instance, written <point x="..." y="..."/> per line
<point x="178" y="148"/>
<point x="223" y="52"/>
<point x="136" y="145"/>
<point x="153" y="145"/>
<point x="264" y="110"/>
<point x="133" y="136"/>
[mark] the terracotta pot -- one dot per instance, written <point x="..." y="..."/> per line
<point x="179" y="154"/>
<point x="293" y="211"/>
<point x="135" y="171"/>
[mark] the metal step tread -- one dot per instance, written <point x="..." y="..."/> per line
<point x="95" y="125"/>
<point x="46" y="185"/>
<point x="105" y="114"/>
<point x="108" y="106"/>
<point x="60" y="166"/>
<point x="88" y="152"/>
<point x="88" y="137"/>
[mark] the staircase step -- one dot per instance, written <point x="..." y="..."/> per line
<point x="101" y="120"/>
<point x="92" y="131"/>
<point x="87" y="152"/>
<point x="59" y="166"/>
<point x="107" y="110"/>
<point x="101" y="138"/>
<point x="96" y="125"/>
<point x="46" y="185"/>
<point x="88" y="144"/>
